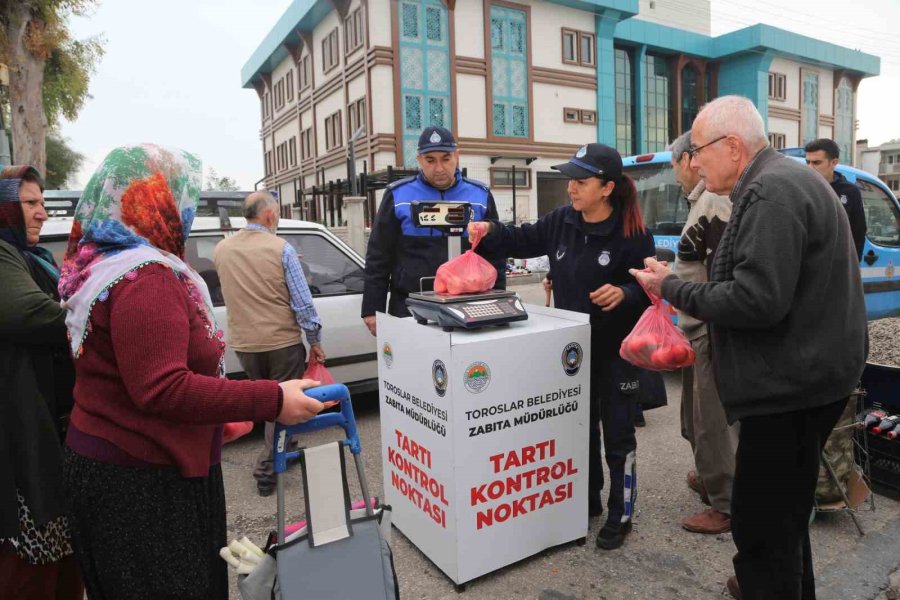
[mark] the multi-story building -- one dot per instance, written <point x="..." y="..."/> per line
<point x="524" y="83"/>
<point x="883" y="161"/>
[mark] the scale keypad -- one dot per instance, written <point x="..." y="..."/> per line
<point x="488" y="309"/>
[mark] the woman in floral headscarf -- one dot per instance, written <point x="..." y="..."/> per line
<point x="36" y="381"/>
<point x="144" y="442"/>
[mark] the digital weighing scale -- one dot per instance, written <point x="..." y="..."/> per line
<point x="466" y="311"/>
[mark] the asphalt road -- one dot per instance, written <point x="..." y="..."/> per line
<point x="660" y="560"/>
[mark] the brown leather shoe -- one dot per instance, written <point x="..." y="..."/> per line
<point x="733" y="588"/>
<point x="693" y="481"/>
<point x="709" y="521"/>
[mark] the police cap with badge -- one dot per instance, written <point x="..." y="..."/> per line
<point x="436" y="139"/>
<point x="593" y="160"/>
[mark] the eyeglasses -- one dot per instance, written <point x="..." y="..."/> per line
<point x="695" y="150"/>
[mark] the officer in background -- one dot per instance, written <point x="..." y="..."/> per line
<point x="823" y="156"/>
<point x="400" y="253"/>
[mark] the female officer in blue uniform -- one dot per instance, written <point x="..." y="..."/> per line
<point x="591" y="244"/>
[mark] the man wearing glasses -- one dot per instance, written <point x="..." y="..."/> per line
<point x="787" y="325"/>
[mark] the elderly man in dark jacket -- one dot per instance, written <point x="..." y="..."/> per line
<point x="787" y="323"/>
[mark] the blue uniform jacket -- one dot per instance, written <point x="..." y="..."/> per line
<point x="581" y="261"/>
<point x="400" y="253"/>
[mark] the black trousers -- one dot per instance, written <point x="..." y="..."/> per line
<point x="777" y="464"/>
<point x="147" y="533"/>
<point x="283" y="364"/>
<point x="614" y="395"/>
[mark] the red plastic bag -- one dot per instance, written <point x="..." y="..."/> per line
<point x="468" y="273"/>
<point x="656" y="343"/>
<point x="233" y="431"/>
<point x="317" y="372"/>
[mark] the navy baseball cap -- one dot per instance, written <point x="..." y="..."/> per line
<point x="436" y="139"/>
<point x="593" y="160"/>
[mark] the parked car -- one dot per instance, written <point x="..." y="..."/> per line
<point x="334" y="272"/>
<point x="665" y="210"/>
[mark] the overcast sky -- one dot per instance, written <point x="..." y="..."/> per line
<point x="171" y="73"/>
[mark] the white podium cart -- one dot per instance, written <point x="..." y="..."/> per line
<point x="484" y="437"/>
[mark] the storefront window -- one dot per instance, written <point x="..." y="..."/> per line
<point x="624" y="102"/>
<point x="657" y="103"/>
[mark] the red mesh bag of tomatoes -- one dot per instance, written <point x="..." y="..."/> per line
<point x="656" y="343"/>
<point x="468" y="273"/>
<point x="317" y="372"/>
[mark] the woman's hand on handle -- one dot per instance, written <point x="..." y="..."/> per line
<point x="297" y="407"/>
<point x="477" y="231"/>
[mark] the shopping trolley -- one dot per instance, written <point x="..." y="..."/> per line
<point x="313" y="562"/>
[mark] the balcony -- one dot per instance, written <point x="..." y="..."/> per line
<point x="888" y="168"/>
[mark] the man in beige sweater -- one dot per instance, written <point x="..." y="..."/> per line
<point x="703" y="421"/>
<point x="269" y="308"/>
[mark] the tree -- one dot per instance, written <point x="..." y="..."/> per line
<point x="62" y="161"/>
<point x="49" y="72"/>
<point x="220" y="184"/>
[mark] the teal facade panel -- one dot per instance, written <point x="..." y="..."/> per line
<point x="747" y="75"/>
<point x="605" y="27"/>
<point x="627" y="8"/>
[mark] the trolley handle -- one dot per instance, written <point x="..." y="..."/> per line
<point x="344" y="419"/>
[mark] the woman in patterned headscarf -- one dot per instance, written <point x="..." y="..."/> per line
<point x="144" y="443"/>
<point x="36" y="380"/>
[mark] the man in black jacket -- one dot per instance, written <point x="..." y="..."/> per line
<point x="787" y="323"/>
<point x="823" y="155"/>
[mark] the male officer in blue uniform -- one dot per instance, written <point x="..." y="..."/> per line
<point x="400" y="252"/>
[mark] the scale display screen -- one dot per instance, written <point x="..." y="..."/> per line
<point x="441" y="214"/>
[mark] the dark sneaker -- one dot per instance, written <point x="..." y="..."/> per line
<point x="612" y="535"/>
<point x="265" y="490"/>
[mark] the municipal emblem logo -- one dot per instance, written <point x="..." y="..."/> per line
<point x="477" y="377"/>
<point x="603" y="259"/>
<point x="843" y="199"/>
<point x="439" y="377"/>
<point x="435" y="138"/>
<point x="581" y="152"/>
<point x="388" y="354"/>
<point x="572" y="355"/>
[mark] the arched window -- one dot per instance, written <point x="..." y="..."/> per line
<point x="690" y="106"/>
<point x="843" y="119"/>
